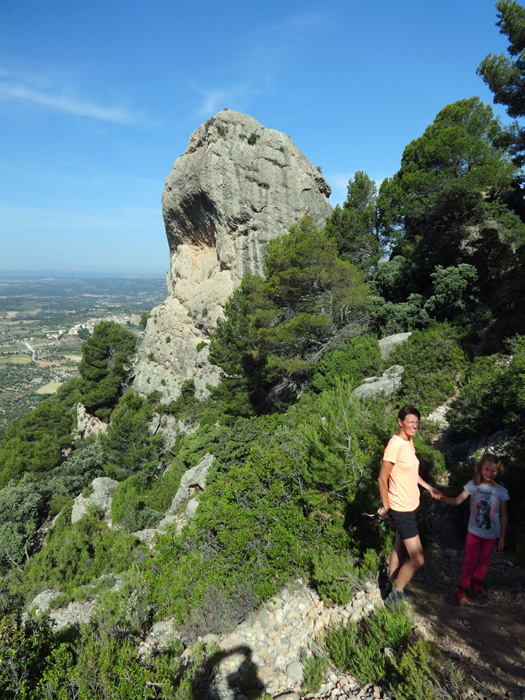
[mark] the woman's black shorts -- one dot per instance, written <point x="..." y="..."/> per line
<point x="404" y="522"/>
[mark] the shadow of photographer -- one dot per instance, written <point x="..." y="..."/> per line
<point x="244" y="679"/>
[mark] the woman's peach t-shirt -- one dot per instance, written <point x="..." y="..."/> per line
<point x="403" y="489"/>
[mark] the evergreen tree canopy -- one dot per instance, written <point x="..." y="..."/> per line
<point x="128" y="446"/>
<point x="104" y="367"/>
<point x="355" y="225"/>
<point x="449" y="194"/>
<point x="275" y="329"/>
<point x="506" y="76"/>
<point x="35" y="442"/>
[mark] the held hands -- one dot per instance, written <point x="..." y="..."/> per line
<point x="436" y="494"/>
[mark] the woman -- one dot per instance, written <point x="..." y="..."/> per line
<point x="399" y="483"/>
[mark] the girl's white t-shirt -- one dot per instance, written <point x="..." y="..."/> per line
<point x="485" y="502"/>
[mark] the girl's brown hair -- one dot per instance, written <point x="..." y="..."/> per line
<point x="488" y="457"/>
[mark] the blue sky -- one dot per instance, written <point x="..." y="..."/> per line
<point x="99" y="98"/>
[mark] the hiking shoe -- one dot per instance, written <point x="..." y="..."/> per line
<point x="397" y="598"/>
<point x="459" y="597"/>
<point x="478" y="592"/>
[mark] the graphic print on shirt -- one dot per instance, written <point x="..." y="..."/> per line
<point x="483" y="515"/>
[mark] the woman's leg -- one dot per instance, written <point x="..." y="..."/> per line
<point x="397" y="557"/>
<point x="415" y="561"/>
<point x="472" y="550"/>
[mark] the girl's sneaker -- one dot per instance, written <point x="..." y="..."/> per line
<point x="459" y="597"/>
<point x="478" y="592"/>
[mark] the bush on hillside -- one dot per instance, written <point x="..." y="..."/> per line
<point x="78" y="553"/>
<point x="250" y="526"/>
<point x="357" y="358"/>
<point x="434" y="364"/>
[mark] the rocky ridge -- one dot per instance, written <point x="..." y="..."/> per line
<point x="237" y="186"/>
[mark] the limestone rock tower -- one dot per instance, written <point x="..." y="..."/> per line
<point x="237" y="186"/>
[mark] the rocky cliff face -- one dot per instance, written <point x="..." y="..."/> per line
<point x="237" y="186"/>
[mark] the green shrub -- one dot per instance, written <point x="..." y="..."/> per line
<point x="416" y="672"/>
<point x="344" y="440"/>
<point x="359" y="647"/>
<point x="382" y="650"/>
<point x="219" y="611"/>
<point x="249" y="527"/>
<point x="24" y="651"/>
<point x="78" y="553"/>
<point x="431" y="461"/>
<point x="128" y="611"/>
<point x="357" y="359"/>
<point x="370" y="564"/>
<point x="314" y="669"/>
<point x="129" y="508"/>
<point x="335" y="576"/>
<point x="434" y="363"/>
<point x="128" y="446"/>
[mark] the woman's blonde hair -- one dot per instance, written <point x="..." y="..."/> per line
<point x="488" y="457"/>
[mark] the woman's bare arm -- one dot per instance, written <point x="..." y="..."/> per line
<point x="384" y="473"/>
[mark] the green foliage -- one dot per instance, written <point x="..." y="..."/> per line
<point x="35" y="442"/>
<point x="24" y="650"/>
<point x="23" y="508"/>
<point x="358" y="648"/>
<point x="357" y="358"/>
<point x="344" y="440"/>
<point x="275" y="329"/>
<point x="388" y="317"/>
<point x="78" y="553"/>
<point x="128" y="611"/>
<point x="77" y="471"/>
<point x="220" y="611"/>
<point x="431" y="461"/>
<point x="314" y="669"/>
<point x="451" y="289"/>
<point x="104" y="367"/>
<point x="106" y="669"/>
<point x="433" y="362"/>
<point x="444" y="210"/>
<point x="129" y="507"/>
<point x="249" y="527"/>
<point x="419" y="673"/>
<point x="253" y="138"/>
<point x="335" y="576"/>
<point x="355" y="225"/>
<point x="128" y="446"/>
<point x="493" y="396"/>
<point x="505" y="76"/>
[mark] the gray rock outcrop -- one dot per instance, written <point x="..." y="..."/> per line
<point x="192" y="479"/>
<point x="87" y="424"/>
<point x="237" y="186"/>
<point x="385" y="385"/>
<point x="101" y="497"/>
<point x="386" y="345"/>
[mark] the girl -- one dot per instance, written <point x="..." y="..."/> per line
<point x="399" y="483"/>
<point x="487" y="524"/>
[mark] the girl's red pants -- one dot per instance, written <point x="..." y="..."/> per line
<point x="477" y="555"/>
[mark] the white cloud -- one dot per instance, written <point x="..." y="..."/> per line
<point x="70" y="104"/>
<point x="214" y="100"/>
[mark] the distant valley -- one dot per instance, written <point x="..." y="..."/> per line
<point x="43" y="321"/>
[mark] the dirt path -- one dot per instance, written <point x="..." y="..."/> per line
<point x="486" y="639"/>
